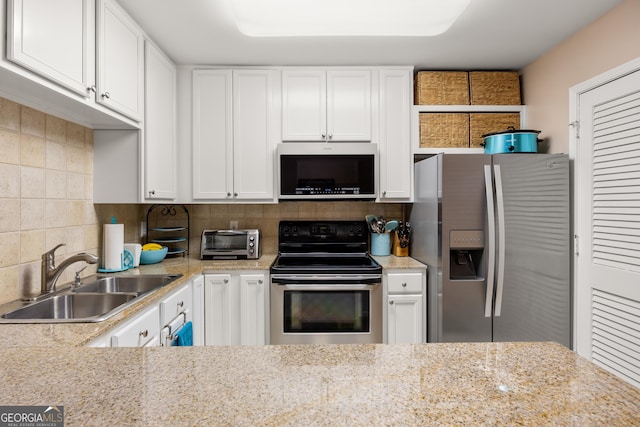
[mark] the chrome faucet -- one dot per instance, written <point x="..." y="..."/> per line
<point x="50" y="272"/>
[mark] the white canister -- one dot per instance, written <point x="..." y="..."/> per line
<point x="136" y="250"/>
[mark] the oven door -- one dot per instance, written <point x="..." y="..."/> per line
<point x="321" y="313"/>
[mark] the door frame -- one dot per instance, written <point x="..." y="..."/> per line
<point x="574" y="115"/>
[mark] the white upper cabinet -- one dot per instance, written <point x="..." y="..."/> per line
<point x="235" y="133"/>
<point x="254" y="134"/>
<point x="212" y="147"/>
<point x="120" y="53"/>
<point x="55" y="39"/>
<point x="349" y="105"/>
<point x="396" y="162"/>
<point x="160" y="178"/>
<point x="304" y="105"/>
<point x="321" y="105"/>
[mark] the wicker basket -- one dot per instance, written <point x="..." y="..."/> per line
<point x="444" y="130"/>
<point x="484" y="123"/>
<point x="442" y="88"/>
<point x="494" y="88"/>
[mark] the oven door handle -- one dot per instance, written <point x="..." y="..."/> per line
<point x="365" y="279"/>
<point x="326" y="287"/>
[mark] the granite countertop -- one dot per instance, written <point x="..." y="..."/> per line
<point x="498" y="384"/>
<point x="79" y="334"/>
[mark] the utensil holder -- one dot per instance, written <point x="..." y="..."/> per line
<point x="381" y="244"/>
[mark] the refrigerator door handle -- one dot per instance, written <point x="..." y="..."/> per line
<point x="501" y="239"/>
<point x="491" y="248"/>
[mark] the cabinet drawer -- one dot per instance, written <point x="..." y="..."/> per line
<point x="176" y="303"/>
<point x="405" y="283"/>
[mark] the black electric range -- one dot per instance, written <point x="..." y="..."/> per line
<point x="325" y="249"/>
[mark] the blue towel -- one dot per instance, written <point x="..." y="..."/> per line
<point x="184" y="336"/>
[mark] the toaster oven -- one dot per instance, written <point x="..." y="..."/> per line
<point x="230" y="244"/>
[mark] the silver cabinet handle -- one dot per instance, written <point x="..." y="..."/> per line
<point x="152" y="192"/>
<point x="228" y="194"/>
<point x="404" y="285"/>
<point x="324" y="136"/>
<point x="106" y="95"/>
<point x="330" y="136"/>
<point x="144" y="333"/>
<point x="391" y="302"/>
<point x="92" y="88"/>
<point x="260" y="282"/>
<point x="235" y="194"/>
<point x="181" y="304"/>
<point x="226" y="281"/>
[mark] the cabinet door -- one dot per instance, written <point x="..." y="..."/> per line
<point x="178" y="302"/>
<point x="120" y="61"/>
<point x="304" y="105"/>
<point x="212" y="136"/>
<point x="141" y="331"/>
<point x="349" y="105"/>
<point x="222" y="320"/>
<point x="396" y="162"/>
<point x="253" y="297"/>
<point x="55" y="39"/>
<point x="159" y="125"/>
<point x="254" y="134"/>
<point x="198" y="310"/>
<point x="404" y="319"/>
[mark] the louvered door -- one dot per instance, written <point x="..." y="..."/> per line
<point x="608" y="203"/>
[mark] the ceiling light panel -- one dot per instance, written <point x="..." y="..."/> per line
<point x="295" y="18"/>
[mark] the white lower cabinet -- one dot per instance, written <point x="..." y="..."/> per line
<point x="405" y="314"/>
<point x="197" y="289"/>
<point x="144" y="329"/>
<point x="175" y="311"/>
<point x="141" y="331"/>
<point x="236" y="308"/>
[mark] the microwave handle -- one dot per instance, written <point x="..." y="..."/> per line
<point x="230" y="232"/>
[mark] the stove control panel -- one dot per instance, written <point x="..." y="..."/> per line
<point x="310" y="232"/>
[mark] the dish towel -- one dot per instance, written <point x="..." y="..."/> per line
<point x="184" y="336"/>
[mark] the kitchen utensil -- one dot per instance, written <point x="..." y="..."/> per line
<point x="390" y="226"/>
<point x="372" y="222"/>
<point x="511" y="141"/>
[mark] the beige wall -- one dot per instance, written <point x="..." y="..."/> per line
<point x="608" y="42"/>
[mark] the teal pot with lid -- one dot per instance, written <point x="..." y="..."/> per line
<point x="511" y="141"/>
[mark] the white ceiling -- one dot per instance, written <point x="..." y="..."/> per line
<point x="491" y="34"/>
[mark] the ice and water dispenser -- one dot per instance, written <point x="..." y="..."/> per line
<point x="465" y="258"/>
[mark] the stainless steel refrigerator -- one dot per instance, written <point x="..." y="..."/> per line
<point x="494" y="232"/>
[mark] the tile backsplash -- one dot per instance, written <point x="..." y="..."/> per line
<point x="46" y="198"/>
<point x="46" y="195"/>
<point x="266" y="217"/>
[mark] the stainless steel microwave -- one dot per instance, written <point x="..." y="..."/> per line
<point x="332" y="171"/>
<point x="230" y="244"/>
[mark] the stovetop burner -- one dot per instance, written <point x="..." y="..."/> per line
<point x="324" y="247"/>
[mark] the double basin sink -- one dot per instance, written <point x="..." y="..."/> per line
<point x="96" y="299"/>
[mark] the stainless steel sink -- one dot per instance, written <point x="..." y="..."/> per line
<point x="71" y="308"/>
<point x="96" y="299"/>
<point x="128" y="284"/>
